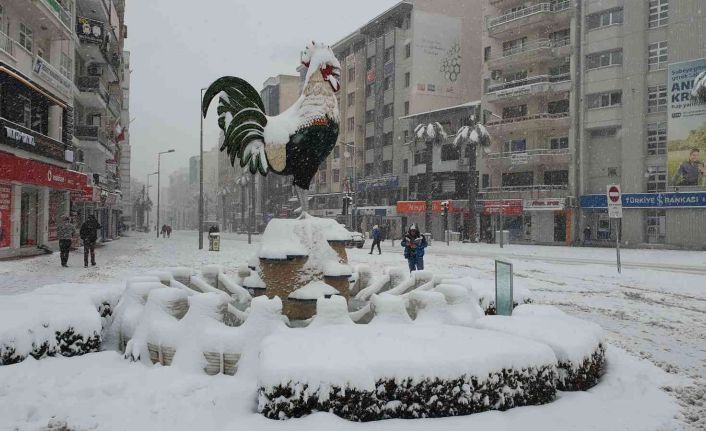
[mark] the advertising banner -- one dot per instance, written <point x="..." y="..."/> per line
<point x="436" y="55"/>
<point x="40" y="174"/>
<point x="89" y="30"/>
<point x="686" y="127"/>
<point x="508" y="207"/>
<point x="5" y="215"/>
<point x="649" y="200"/>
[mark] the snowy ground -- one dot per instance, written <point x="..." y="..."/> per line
<point x="655" y="309"/>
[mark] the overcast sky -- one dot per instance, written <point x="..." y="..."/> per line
<point x="179" y="47"/>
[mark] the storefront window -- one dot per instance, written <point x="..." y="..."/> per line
<point x="656" y="226"/>
<point x="30" y="217"/>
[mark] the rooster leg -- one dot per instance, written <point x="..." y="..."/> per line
<point x="303" y="195"/>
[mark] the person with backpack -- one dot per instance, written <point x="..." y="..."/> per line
<point x="414" y="244"/>
<point x="377" y="238"/>
<point x="89" y="235"/>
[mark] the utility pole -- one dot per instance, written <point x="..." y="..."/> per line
<point x="251" y="223"/>
<point x="201" y="177"/>
<point x="148" y="199"/>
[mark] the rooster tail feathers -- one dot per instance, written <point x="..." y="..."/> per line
<point x="241" y="116"/>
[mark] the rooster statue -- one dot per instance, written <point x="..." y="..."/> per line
<point x="293" y="143"/>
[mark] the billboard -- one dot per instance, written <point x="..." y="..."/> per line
<point x="436" y="55"/>
<point x="686" y="126"/>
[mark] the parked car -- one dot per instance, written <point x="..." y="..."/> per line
<point x="357" y="240"/>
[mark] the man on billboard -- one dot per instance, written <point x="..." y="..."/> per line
<point x="691" y="171"/>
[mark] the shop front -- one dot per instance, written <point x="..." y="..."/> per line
<point x="548" y="221"/>
<point x="415" y="212"/>
<point x="34" y="196"/>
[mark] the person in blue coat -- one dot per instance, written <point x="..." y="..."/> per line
<point x="414" y="244"/>
<point x="377" y="237"/>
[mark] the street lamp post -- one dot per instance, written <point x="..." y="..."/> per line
<point x="159" y="176"/>
<point x="353" y="187"/>
<point x="201" y="178"/>
<point x="148" y="199"/>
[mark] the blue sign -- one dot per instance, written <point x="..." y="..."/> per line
<point x="389" y="68"/>
<point x="381" y="183"/>
<point x="649" y="200"/>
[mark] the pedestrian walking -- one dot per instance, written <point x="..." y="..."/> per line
<point x="164" y="231"/>
<point x="414" y="244"/>
<point x="65" y="232"/>
<point x="169" y="231"/>
<point x="586" y="234"/>
<point x="89" y="235"/>
<point x="377" y="238"/>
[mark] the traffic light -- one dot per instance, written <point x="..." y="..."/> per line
<point x="347" y="202"/>
<point x="445" y="208"/>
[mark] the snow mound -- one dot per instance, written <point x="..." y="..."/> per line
<point x="313" y="291"/>
<point x="129" y="310"/>
<point x="388" y="308"/>
<point x="428" y="307"/>
<point x="305" y="236"/>
<point x="211" y="270"/>
<point x="336" y="269"/>
<point x="331" y="311"/>
<point x="537" y="310"/>
<point x="180" y="272"/>
<point x="463" y="308"/>
<point x="164" y="276"/>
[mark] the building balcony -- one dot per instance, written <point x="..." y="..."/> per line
<point x="536" y="191"/>
<point x="533" y="52"/>
<point x="92" y="92"/>
<point x="115" y="106"/>
<point x="537" y="15"/>
<point x="539" y="156"/>
<point x="504" y="4"/>
<point x="90" y="135"/>
<point x="39" y="70"/>
<point x="542" y="120"/>
<point x="532" y="86"/>
<point x="7" y="45"/>
<point x="60" y="17"/>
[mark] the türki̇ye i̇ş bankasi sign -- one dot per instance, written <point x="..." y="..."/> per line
<point x="649" y="200"/>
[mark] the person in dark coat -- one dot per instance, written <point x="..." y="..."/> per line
<point x="586" y="234"/>
<point x="169" y="231"/>
<point x="377" y="237"/>
<point x="65" y="232"/>
<point x="89" y="235"/>
<point x="414" y="244"/>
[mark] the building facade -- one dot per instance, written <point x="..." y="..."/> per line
<point x="577" y="94"/>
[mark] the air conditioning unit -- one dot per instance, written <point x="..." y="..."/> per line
<point x="95" y="70"/>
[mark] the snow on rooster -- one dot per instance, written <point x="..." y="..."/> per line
<point x="293" y="143"/>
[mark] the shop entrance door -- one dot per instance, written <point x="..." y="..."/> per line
<point x="559" y="227"/>
<point x="29" y="217"/>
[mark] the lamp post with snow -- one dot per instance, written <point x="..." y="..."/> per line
<point x="148" y="200"/>
<point x="201" y="177"/>
<point x="159" y="156"/>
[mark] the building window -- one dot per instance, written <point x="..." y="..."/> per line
<point x="515" y="146"/>
<point x="515" y="111"/>
<point x="604" y="100"/>
<point x="387" y="84"/>
<point x="26" y="37"/>
<point x="407" y="80"/>
<point x="486" y="53"/>
<point x="657" y="56"/>
<point x="370" y="116"/>
<point x="368" y="169"/>
<point x="656" y="179"/>
<point x="350" y="99"/>
<point x="604" y="59"/>
<point x="351" y="74"/>
<point x="605" y="18"/>
<point x="370" y="63"/>
<point x="408" y="50"/>
<point x="388" y="110"/>
<point x="657" y="99"/>
<point x="369" y="143"/>
<point x="322" y="177"/>
<point x="335" y="174"/>
<point x="336" y="152"/>
<point x="485" y="181"/>
<point x="449" y="152"/>
<point x="558" y="106"/>
<point x="604" y="132"/>
<point x="351" y="124"/>
<point x="656" y="226"/>
<point x="514" y="46"/>
<point x="387" y="139"/>
<point x="387" y="167"/>
<point x="405" y="166"/>
<point x="389" y="54"/>
<point x="658" y="14"/>
<point x="559" y="143"/>
<point x="556" y="178"/>
<point x="515" y="76"/>
<point x="368" y="90"/>
<point x="656" y="139"/>
<point x="518" y="179"/>
<point x="406" y="108"/>
<point x="560" y="37"/>
<point x="560" y="72"/>
<point x="66" y="66"/>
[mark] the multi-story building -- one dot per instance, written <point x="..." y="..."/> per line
<point x="416" y="57"/>
<point x="579" y="94"/>
<point x="125" y="149"/>
<point x="98" y="108"/>
<point x="37" y="44"/>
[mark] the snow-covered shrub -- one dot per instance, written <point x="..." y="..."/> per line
<point x="484" y="289"/>
<point x="366" y="373"/>
<point x="577" y="344"/>
<point x="462" y="308"/>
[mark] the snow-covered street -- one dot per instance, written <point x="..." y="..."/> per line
<point x="655" y="309"/>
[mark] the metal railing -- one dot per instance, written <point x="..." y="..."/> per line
<point x="540" y="116"/>
<point x="531" y="10"/>
<point x="532" y="46"/>
<point x="7" y="44"/>
<point x="94" y="133"/>
<point x="520" y="189"/>
<point x="60" y="12"/>
<point x="529" y="153"/>
<point x="93" y="84"/>
<point x="539" y="79"/>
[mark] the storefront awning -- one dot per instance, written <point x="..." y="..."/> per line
<point x="27" y="171"/>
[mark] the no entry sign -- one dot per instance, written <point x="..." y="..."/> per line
<point x="615" y="204"/>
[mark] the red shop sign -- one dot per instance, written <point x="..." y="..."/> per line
<point x="503" y="206"/>
<point x="411" y="207"/>
<point x="28" y="171"/>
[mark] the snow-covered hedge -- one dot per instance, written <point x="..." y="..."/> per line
<point x="577" y="344"/>
<point x="484" y="289"/>
<point x="373" y="372"/>
<point x="65" y="319"/>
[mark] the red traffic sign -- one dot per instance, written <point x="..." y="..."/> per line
<point x="614" y="193"/>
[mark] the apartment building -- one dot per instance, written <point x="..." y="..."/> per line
<point x="99" y="127"/>
<point x="417" y="56"/>
<point x="578" y="96"/>
<point x="125" y="148"/>
<point x="37" y="44"/>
